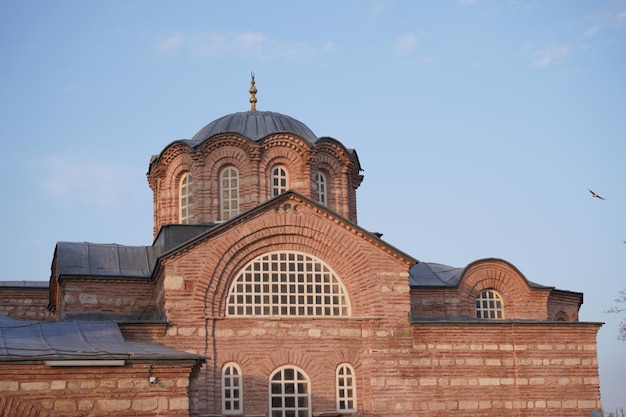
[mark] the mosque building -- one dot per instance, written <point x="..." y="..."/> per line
<point x="262" y="296"/>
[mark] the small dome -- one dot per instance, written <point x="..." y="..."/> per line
<point x="255" y="125"/>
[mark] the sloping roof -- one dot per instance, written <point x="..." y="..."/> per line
<point x="173" y="235"/>
<point x="44" y="285"/>
<point x="111" y="260"/>
<point x="22" y="340"/>
<point x="274" y="204"/>
<point x="104" y="260"/>
<point x="426" y="274"/>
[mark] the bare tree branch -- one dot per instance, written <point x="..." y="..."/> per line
<point x="621" y="333"/>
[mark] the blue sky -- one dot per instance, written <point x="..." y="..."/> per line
<point x="481" y="125"/>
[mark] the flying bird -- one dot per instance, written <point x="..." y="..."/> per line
<point x="596" y="195"/>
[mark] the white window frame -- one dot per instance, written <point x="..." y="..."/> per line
<point x="185" y="200"/>
<point x="287" y="284"/>
<point x="320" y="180"/>
<point x="232" y="389"/>
<point x="279" y="180"/>
<point x="489" y="305"/>
<point x="289" y="396"/>
<point x="229" y="193"/>
<point x="346" y="388"/>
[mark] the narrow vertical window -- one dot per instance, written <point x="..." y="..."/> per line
<point x="229" y="189"/>
<point x="320" y="179"/>
<point x="231" y="389"/>
<point x="186" y="198"/>
<point x="489" y="305"/>
<point x="280" y="180"/>
<point x="289" y="393"/>
<point x="346" y="398"/>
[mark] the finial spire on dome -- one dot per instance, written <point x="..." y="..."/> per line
<point x="252" y="93"/>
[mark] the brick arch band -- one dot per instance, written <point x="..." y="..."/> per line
<point x="264" y="240"/>
<point x="313" y="289"/>
<point x="498" y="276"/>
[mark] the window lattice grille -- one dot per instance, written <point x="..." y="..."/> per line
<point x="289" y="393"/>
<point x="280" y="180"/>
<point x="229" y="188"/>
<point x="231" y="389"/>
<point x="489" y="305"/>
<point x="186" y="198"/>
<point x="346" y="398"/>
<point x="287" y="284"/>
<point x="321" y="188"/>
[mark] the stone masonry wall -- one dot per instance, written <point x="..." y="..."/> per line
<point x="94" y="391"/>
<point x="117" y="297"/>
<point x="25" y="303"/>
<point x="512" y="369"/>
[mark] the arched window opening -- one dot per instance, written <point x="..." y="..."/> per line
<point x="320" y="180"/>
<point x="280" y="180"/>
<point x="229" y="193"/>
<point x="489" y="305"/>
<point x="289" y="392"/>
<point x="186" y="198"/>
<point x="287" y="284"/>
<point x="231" y="389"/>
<point x="346" y="393"/>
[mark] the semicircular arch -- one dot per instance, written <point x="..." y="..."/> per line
<point x="245" y="248"/>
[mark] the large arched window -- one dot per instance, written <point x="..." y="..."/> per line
<point x="229" y="193"/>
<point x="280" y="180"/>
<point x="289" y="392"/>
<point x="287" y="284"/>
<point x="320" y="180"/>
<point x="185" y="198"/>
<point x="346" y="392"/>
<point x="489" y="305"/>
<point x="231" y="389"/>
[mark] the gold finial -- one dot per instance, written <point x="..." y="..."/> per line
<point x="252" y="93"/>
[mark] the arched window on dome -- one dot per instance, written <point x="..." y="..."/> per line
<point x="185" y="198"/>
<point x="280" y="180"/>
<point x="489" y="305"/>
<point x="287" y="284"/>
<point x="229" y="193"/>
<point x="320" y="180"/>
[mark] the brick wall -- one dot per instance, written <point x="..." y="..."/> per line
<point x="94" y="391"/>
<point x="254" y="162"/>
<point x="131" y="298"/>
<point x="504" y="368"/>
<point x="26" y="303"/>
<point x="507" y="368"/>
<point x="514" y="369"/>
<point x="197" y="280"/>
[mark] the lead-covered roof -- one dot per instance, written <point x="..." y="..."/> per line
<point x="22" y="340"/>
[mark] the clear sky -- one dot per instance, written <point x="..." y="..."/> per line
<point x="480" y="125"/>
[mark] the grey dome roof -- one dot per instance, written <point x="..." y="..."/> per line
<point x="255" y="125"/>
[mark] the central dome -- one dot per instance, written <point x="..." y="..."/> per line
<point x="255" y="125"/>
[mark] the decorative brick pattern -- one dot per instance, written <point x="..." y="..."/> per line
<point x="253" y="161"/>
